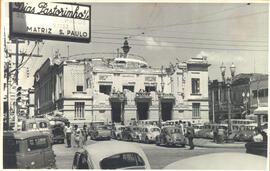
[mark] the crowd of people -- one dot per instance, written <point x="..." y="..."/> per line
<point x="79" y="135"/>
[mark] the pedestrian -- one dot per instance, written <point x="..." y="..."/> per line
<point x="77" y="136"/>
<point x="190" y="135"/>
<point x="68" y="132"/>
<point x="84" y="134"/>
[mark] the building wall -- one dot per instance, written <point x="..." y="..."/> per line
<point x="67" y="75"/>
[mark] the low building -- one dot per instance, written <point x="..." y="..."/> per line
<point x="244" y="96"/>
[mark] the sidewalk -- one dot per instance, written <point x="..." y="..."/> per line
<point x="208" y="143"/>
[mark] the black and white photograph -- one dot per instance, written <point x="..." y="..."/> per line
<point x="134" y="85"/>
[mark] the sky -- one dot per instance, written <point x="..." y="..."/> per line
<point x="163" y="32"/>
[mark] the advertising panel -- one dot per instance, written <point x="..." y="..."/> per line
<point x="52" y="21"/>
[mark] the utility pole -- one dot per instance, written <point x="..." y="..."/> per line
<point x="16" y="81"/>
<point x="213" y="104"/>
<point x="7" y="126"/>
<point x="17" y="42"/>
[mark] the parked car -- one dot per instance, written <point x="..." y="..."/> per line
<point x="245" y="133"/>
<point x="171" y="136"/>
<point x="117" y="131"/>
<point x="130" y="133"/>
<point x="58" y="125"/>
<point x="99" y="132"/>
<point x="220" y="161"/>
<point x="197" y="129"/>
<point x="110" y="155"/>
<point x="38" y="124"/>
<point x="27" y="150"/>
<point x="149" y="134"/>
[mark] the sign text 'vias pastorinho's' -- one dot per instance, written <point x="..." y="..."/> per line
<point x="51" y="19"/>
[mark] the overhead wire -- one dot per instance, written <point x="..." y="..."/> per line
<point x="177" y="37"/>
<point x="186" y="47"/>
<point x="213" y="44"/>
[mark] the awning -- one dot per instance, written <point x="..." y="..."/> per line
<point x="261" y="111"/>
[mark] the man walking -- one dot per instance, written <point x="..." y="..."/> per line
<point x="84" y="134"/>
<point x="68" y="131"/>
<point x="190" y="135"/>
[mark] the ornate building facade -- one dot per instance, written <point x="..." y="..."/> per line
<point x="122" y="89"/>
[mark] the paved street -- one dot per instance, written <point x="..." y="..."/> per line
<point x="158" y="156"/>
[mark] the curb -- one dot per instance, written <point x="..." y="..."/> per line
<point x="213" y="146"/>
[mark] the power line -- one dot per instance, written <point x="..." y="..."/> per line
<point x="187" y="38"/>
<point x="186" y="47"/>
<point x="190" y="23"/>
<point x="213" y="44"/>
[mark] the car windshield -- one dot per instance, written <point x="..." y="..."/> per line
<point x="122" y="161"/>
<point x="172" y="131"/>
<point x="102" y="128"/>
<point x="155" y="130"/>
<point x="11" y="145"/>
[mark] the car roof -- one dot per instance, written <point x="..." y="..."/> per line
<point x="151" y="126"/>
<point x="221" y="161"/>
<point x="170" y="127"/>
<point x="101" y="150"/>
<point x="23" y="134"/>
<point x="35" y="120"/>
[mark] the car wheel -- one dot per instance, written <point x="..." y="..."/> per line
<point x="157" y="142"/>
<point x="147" y="141"/>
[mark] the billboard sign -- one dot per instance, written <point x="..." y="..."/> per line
<point x="51" y="21"/>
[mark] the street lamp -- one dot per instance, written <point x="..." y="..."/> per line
<point x="160" y="95"/>
<point x="228" y="85"/>
<point x="223" y="70"/>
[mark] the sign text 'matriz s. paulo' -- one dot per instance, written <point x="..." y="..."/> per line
<point x="53" y="21"/>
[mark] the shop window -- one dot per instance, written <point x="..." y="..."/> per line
<point x="195" y="85"/>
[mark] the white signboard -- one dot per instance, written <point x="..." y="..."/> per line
<point x="53" y="21"/>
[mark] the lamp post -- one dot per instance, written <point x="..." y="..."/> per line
<point x="228" y="83"/>
<point x="160" y="95"/>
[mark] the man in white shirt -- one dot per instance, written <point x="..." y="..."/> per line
<point x="68" y="132"/>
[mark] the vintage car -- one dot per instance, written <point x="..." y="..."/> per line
<point x="220" y="161"/>
<point x="99" y="132"/>
<point x="131" y="133"/>
<point x="197" y="129"/>
<point x="110" y="155"/>
<point x="38" y="124"/>
<point x="204" y="132"/>
<point x="149" y="134"/>
<point x="27" y="150"/>
<point x="245" y="133"/>
<point x="171" y="136"/>
<point x="58" y="126"/>
<point x="117" y="131"/>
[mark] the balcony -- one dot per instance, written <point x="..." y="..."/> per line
<point x="117" y="97"/>
<point x="167" y="98"/>
<point x="143" y="97"/>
